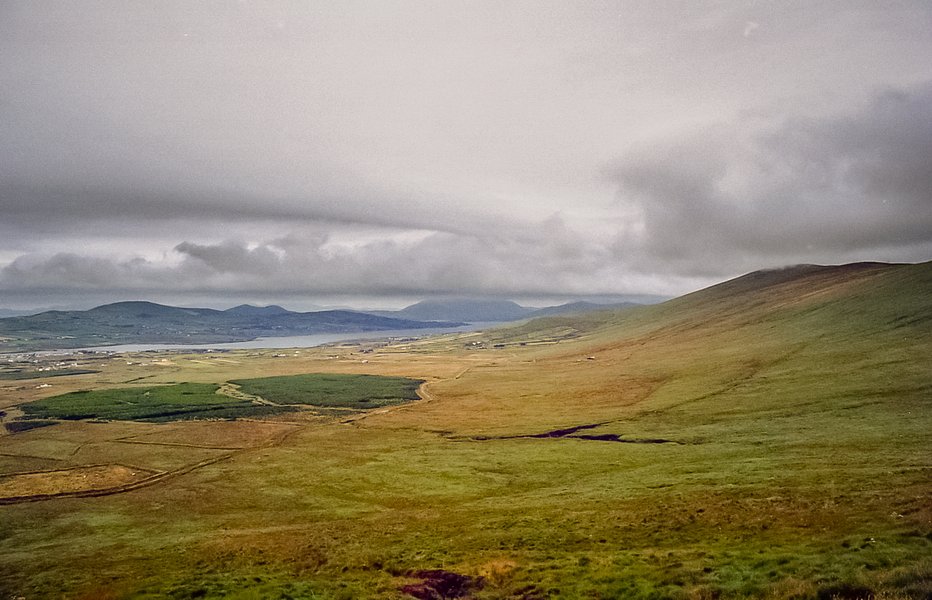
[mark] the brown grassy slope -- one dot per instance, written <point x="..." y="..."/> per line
<point x="805" y="319"/>
<point x="801" y="401"/>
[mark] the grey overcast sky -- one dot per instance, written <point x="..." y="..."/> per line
<point x="316" y="152"/>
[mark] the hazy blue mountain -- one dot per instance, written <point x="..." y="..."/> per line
<point x="148" y="322"/>
<point x="480" y="310"/>
<point x="462" y="309"/>
<point x="579" y="307"/>
<point x="12" y="312"/>
<point x="250" y="310"/>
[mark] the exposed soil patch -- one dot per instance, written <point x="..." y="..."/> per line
<point x="438" y="584"/>
<point x="568" y="432"/>
<point x="160" y="452"/>
<point x="558" y="433"/>
<point x="18" y="426"/>
<point x="614" y="437"/>
<point x="98" y="477"/>
<point x="845" y="591"/>
<point x="601" y="437"/>
<point x="114" y="482"/>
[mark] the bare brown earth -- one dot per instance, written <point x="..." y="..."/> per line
<point x="76" y="479"/>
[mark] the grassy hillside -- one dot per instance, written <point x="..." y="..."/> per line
<point x="768" y="437"/>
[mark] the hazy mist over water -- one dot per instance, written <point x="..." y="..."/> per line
<point x="291" y="341"/>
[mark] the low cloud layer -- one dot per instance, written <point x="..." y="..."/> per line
<point x="762" y="193"/>
<point x="535" y="261"/>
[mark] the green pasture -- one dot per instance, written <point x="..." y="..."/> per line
<point x="332" y="390"/>
<point x="157" y="403"/>
<point x="18" y="374"/>
<point x="201" y="400"/>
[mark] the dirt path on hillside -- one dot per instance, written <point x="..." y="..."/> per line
<point x="232" y="390"/>
<point x="69" y="478"/>
<point x="91" y="493"/>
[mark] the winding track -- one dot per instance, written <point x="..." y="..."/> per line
<point x="156" y="478"/>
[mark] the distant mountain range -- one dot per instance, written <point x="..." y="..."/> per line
<point x="147" y="322"/>
<point x="484" y="310"/>
<point x="10" y="312"/>
<point x="150" y="323"/>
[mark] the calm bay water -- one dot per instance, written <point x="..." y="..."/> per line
<point x="292" y="341"/>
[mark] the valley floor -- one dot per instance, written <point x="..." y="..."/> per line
<point x="777" y="452"/>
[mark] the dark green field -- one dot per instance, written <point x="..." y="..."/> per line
<point x="159" y="403"/>
<point x="146" y="322"/>
<point x="19" y="374"/>
<point x="203" y="400"/>
<point x="330" y="390"/>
